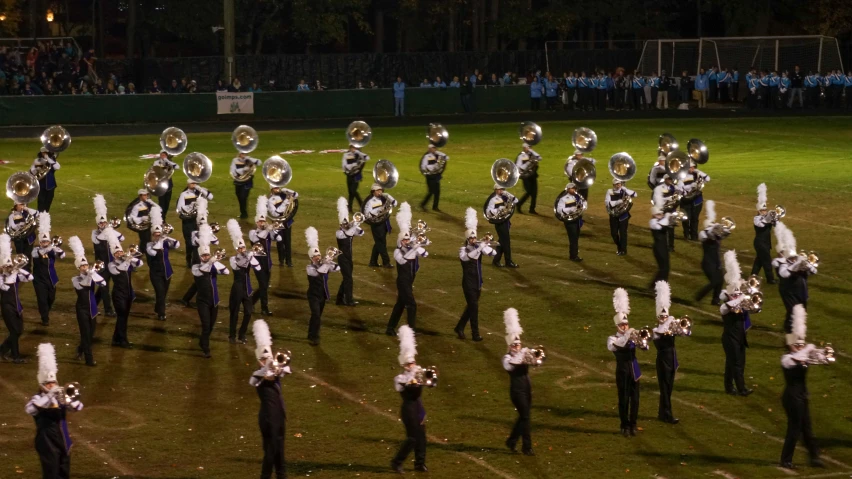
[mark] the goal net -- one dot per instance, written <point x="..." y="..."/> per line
<point x="811" y="53"/>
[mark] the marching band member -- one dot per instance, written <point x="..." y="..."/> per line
<point x="279" y="203"/>
<point x="317" y="294"/>
<point x="47" y="184"/>
<point x="430" y="163"/>
<point x="627" y="373"/>
<point x="10" y="304"/>
<point x="527" y="161"/>
<point x="470" y="255"/>
<point x="240" y="166"/>
<point x="736" y="324"/>
<point x="660" y="224"/>
<point x="49" y="408"/>
<point x="616" y="196"/>
<point x="19" y="220"/>
<point x="208" y="291"/>
<point x="793" y="272"/>
<point x="379" y="230"/>
<point x="407" y="256"/>
<point x="195" y="258"/>
<point x="345" y="234"/>
<point x="520" y="386"/>
<point x="353" y="164"/>
<point x="120" y="268"/>
<point x="763" y="223"/>
<point x="272" y="417"/>
<point x="140" y="214"/>
<point x="87" y="303"/>
<point x="241" y="263"/>
<point x="655" y="176"/>
<point x="711" y="240"/>
<point x="692" y="206"/>
<point x="188" y="212"/>
<point x="159" y="266"/>
<point x="262" y="235"/>
<point x="412" y="412"/>
<point x="795" y="397"/>
<point x="572" y="161"/>
<point x="499" y="202"/>
<point x="664" y="340"/>
<point x="100" y="242"/>
<point x="44" y="270"/>
<point x="165" y="200"/>
<point x="669" y="190"/>
<point x="572" y="203"/>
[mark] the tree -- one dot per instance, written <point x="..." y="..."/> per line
<point x="13" y="17"/>
<point x="321" y="22"/>
<point x="832" y="18"/>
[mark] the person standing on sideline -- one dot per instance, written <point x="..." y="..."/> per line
<point x="551" y="87"/>
<point x="702" y="86"/>
<point x="399" y="97"/>
<point x="654" y="83"/>
<point x="735" y="85"/>
<point x="797" y="81"/>
<point x="627" y="373"/>
<point x="272" y="417"/>
<point x="87" y="303"/>
<point x="520" y="387"/>
<point x="535" y="94"/>
<point x="466" y="92"/>
<point x="345" y="234"/>
<point x="470" y="255"/>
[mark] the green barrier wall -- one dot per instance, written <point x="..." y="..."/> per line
<point x="69" y="110"/>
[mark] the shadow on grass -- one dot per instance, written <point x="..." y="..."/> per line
<point x="306" y="467"/>
<point x="574" y="413"/>
<point x="508" y="424"/>
<point x="675" y="458"/>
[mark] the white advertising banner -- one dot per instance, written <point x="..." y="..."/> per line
<point x="234" y="103"/>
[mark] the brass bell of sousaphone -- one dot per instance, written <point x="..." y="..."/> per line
<point x="530" y="133"/>
<point x="697" y="151"/>
<point x="437" y="134"/>
<point x="277" y="172"/>
<point x="677" y="164"/>
<point x="385" y="174"/>
<point x="245" y="139"/>
<point x="358" y="134"/>
<point x="173" y="141"/>
<point x="505" y="173"/>
<point x="156" y="180"/>
<point x="583" y="174"/>
<point x="197" y="167"/>
<point x="584" y="139"/>
<point x="56" y="139"/>
<point x="622" y="167"/>
<point x="667" y="143"/>
<point x="22" y="187"/>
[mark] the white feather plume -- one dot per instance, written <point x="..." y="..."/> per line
<point x="262" y="339"/>
<point x="156" y="216"/>
<point x="47" y="368"/>
<point x="260" y="209"/>
<point x="780" y="238"/>
<point x="312" y="237"/>
<point x="235" y="231"/>
<point x="733" y="274"/>
<point x="800" y="321"/>
<point x="76" y="246"/>
<point x="342" y="210"/>
<point x="113" y="238"/>
<point x="789" y="243"/>
<point x="513" y="325"/>
<point x="470" y="219"/>
<point x="201" y="207"/>
<point x="709" y="213"/>
<point x="658" y="199"/>
<point x="403" y="218"/>
<point x="5" y="248"/>
<point x="664" y="296"/>
<point x="44" y="223"/>
<point x="621" y="301"/>
<point x="761" y="195"/>
<point x="100" y="207"/>
<point x="205" y="235"/>
<point x="407" y="345"/>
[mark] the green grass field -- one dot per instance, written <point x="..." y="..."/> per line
<point x="161" y="410"/>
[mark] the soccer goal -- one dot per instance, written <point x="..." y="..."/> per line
<point x="810" y="52"/>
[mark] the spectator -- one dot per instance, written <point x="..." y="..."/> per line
<point x="174" y="88"/>
<point x="220" y="86"/>
<point x="569" y="90"/>
<point x="439" y="83"/>
<point x="474" y="77"/>
<point x="302" y="86"/>
<point x="110" y="89"/>
<point x="28" y="90"/>
<point x="683" y="88"/>
<point x="84" y="89"/>
<point x="712" y="83"/>
<point x="551" y="86"/>
<point x="724" y="79"/>
<point x="783" y="89"/>
<point x="455" y="83"/>
<point x="193" y="87"/>
<point x="774" y="89"/>
<point x="494" y="81"/>
<point x="425" y="83"/>
<point x="255" y="89"/>
<point x="812" y="90"/>
<point x="319" y="86"/>
<point x="796" y="84"/>
<point x="399" y="97"/>
<point x="702" y="85"/>
<point x="507" y="78"/>
<point x="480" y="80"/>
<point x="518" y="81"/>
<point x="654" y="83"/>
<point x="663" y="93"/>
<point x="360" y="86"/>
<point x="236" y="86"/>
<point x="637" y="87"/>
<point x="735" y="85"/>
<point x="535" y="94"/>
<point x="466" y="91"/>
<point x="373" y="85"/>
<point x="155" y="88"/>
<point x="184" y="85"/>
<point x="764" y="82"/>
<point x="121" y="90"/>
<point x="270" y="85"/>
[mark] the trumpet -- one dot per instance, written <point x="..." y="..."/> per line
<point x="98" y="266"/>
<point x="426" y="376"/>
<point x="167" y="229"/>
<point x="357" y="219"/>
<point x="809" y="257"/>
<point x="215" y="227"/>
<point x="280" y="361"/>
<point x="133" y="251"/>
<point x="776" y="213"/>
<point x="488" y="239"/>
<point x="220" y="254"/>
<point x="640" y="337"/>
<point x="57" y="241"/>
<point x="678" y="216"/>
<point x="331" y="255"/>
<point x="18" y="261"/>
<point x="420" y="229"/>
<point x="257" y="249"/>
<point x="680" y="327"/>
<point x="67" y="394"/>
<point x="828" y="351"/>
<point x="115" y="222"/>
<point x="535" y="356"/>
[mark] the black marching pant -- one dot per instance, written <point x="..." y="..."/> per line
<point x="763" y="260"/>
<point x="665" y="377"/>
<point x="238" y="299"/>
<point x="344" y="293"/>
<point x="735" y="356"/>
<point x="45" y="296"/>
<point x="415" y="439"/>
<point x="714" y="275"/>
<point x="87" y="324"/>
<point x="161" y="291"/>
<point x="505" y="247"/>
<point x="404" y="301"/>
<point x="352" y="189"/>
<point x="434" y="185"/>
<point x="144" y="239"/>
<point x="618" y="231"/>
<point x="273" y="451"/>
<point x="317" y="305"/>
<point x="693" y="212"/>
<point x="661" y="254"/>
<point x="164" y="201"/>
<point x="471" y="312"/>
<point x="55" y="462"/>
<point x="380" y="244"/>
<point x="530" y="192"/>
<point x="190" y="293"/>
<point x="188" y="226"/>
<point x="284" y="246"/>
<point x="798" y="424"/>
<point x="24" y="247"/>
<point x="262" y="292"/>
<point x="522" y="400"/>
<point x="122" y="311"/>
<point x="670" y="237"/>
<point x="15" y="324"/>
<point x="573" y="230"/>
<point x="45" y="199"/>
<point x="103" y="294"/>
<point x="628" y="395"/>
<point x="243" y="192"/>
<point x="207" y="314"/>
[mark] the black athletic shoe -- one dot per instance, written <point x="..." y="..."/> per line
<point x="374" y="265"/>
<point x="387" y="266"/>
<point x="576" y="259"/>
<point x="528" y="452"/>
<point x="266" y="312"/>
<point x="787" y="465"/>
<point x="477" y="338"/>
<point x="817" y="462"/>
<point x="390" y="332"/>
<point x="459" y="333"/>
<point x="511" y="445"/>
<point x="397" y="468"/>
<point x="511" y="265"/>
<point x="746" y="392"/>
<point x="421" y="468"/>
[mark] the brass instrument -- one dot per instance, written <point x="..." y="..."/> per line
<point x="697" y="187"/>
<point x="167" y="229"/>
<point x="28" y="226"/>
<point x="220" y="254"/>
<point x="488" y="239"/>
<point x="437" y="134"/>
<point x="331" y="255"/>
<point x="724" y="228"/>
<point x="828" y="354"/>
<point x="677" y="165"/>
<point x="98" y="266"/>
<point x="426" y="376"/>
<point x="442" y="165"/>
<point x="191" y="214"/>
<point x="697" y="151"/>
<point x="358" y="134"/>
<point x="156" y="179"/>
<point x="535" y="356"/>
<point x="67" y="394"/>
<point x="619" y="209"/>
<point x="244" y="138"/>
<point x="143" y="226"/>
<point x="680" y="327"/>
<point x="56" y="241"/>
<point x="505" y="173"/>
<point x="280" y="361"/>
<point x="573" y="216"/>
<point x="197" y="167"/>
<point x="772" y="215"/>
<point x="22" y="187"/>
<point x="277" y="172"/>
<point x="641" y="337"/>
<point x="133" y="251"/>
<point x="56" y="139"/>
<point x="667" y="143"/>
<point x="752" y="295"/>
<point x="678" y="216"/>
<point x="19" y="261"/>
<point x="583" y="173"/>
<point x="215" y="227"/>
<point x="115" y="222"/>
<point x="385" y="174"/>
<point x="812" y="258"/>
<point x="806" y="257"/>
<point x="622" y="167"/>
<point x="357" y="219"/>
<point x="530" y="133"/>
<point x="257" y="249"/>
<point x="584" y="139"/>
<point x="173" y="141"/>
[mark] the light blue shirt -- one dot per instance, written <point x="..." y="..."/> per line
<point x="601" y="83"/>
<point x="399" y="89"/>
<point x="582" y="82"/>
<point x="439" y="85"/>
<point x="454" y="84"/>
<point x="736" y="76"/>
<point x="701" y="82"/>
<point x="811" y="81"/>
<point x="304" y="87"/>
<point x="785" y="82"/>
<point x="550" y="87"/>
<point x="571" y="82"/>
<point x="535" y="89"/>
<point x="425" y="85"/>
<point x="472" y="79"/>
<point x="507" y="80"/>
<point x="638" y="82"/>
<point x="848" y="82"/>
<point x="774" y="81"/>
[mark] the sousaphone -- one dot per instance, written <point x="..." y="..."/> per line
<point x="505" y="174"/>
<point x="584" y="139"/>
<point x="197" y="167"/>
<point x="667" y="143"/>
<point x="358" y="134"/>
<point x="278" y="173"/>
<point x="530" y="133"/>
<point x="677" y="164"/>
<point x="437" y="134"/>
<point x="245" y="140"/>
<point x="385" y="175"/>
<point x="173" y="141"/>
<point x="697" y="151"/>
